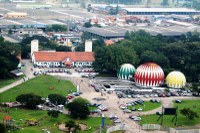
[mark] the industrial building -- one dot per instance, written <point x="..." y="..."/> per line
<point x="16" y="15"/>
<point x="161" y="11"/>
<point x="113" y="32"/>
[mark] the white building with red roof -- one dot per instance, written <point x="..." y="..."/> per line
<point x="57" y="59"/>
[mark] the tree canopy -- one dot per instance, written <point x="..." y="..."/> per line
<point x="8" y="58"/>
<point x="78" y="108"/>
<point x="57" y="99"/>
<point x="29" y="100"/>
<point x="56" y="28"/>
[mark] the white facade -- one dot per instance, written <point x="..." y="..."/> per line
<point x="60" y="64"/>
<point x="34" y="46"/>
<point x="88" y="46"/>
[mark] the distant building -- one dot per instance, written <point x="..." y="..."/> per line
<point x="22" y="1"/>
<point x="161" y="11"/>
<point x="16" y="15"/>
<point x="28" y="32"/>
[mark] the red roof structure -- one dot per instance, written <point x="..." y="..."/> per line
<point x="61" y="56"/>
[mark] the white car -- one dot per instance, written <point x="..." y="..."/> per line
<point x="113" y="117"/>
<point x="137" y="96"/>
<point x="123" y="107"/>
<point x="127" y="111"/>
<point x="155" y="95"/>
<point x="117" y="121"/>
<point x="137" y="119"/>
<point x="140" y="109"/>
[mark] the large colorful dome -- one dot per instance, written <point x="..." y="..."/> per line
<point x="126" y="71"/>
<point x="175" y="79"/>
<point x="149" y="75"/>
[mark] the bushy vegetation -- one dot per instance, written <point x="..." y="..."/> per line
<point x="29" y="100"/>
<point x="171" y="53"/>
<point x="8" y="58"/>
<point x="78" y="108"/>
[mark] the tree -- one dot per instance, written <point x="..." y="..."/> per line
<point x="1" y="39"/>
<point x="57" y="99"/>
<point x="8" y="58"/>
<point x="110" y="58"/>
<point x="165" y="3"/>
<point x="29" y="100"/>
<point x="63" y="48"/>
<point x="72" y="126"/>
<point x="53" y="113"/>
<point x="78" y="108"/>
<point x="196" y="88"/>
<point x="190" y="114"/>
<point x="150" y="56"/>
<point x="87" y="25"/>
<point x="2" y="128"/>
<point x="45" y="43"/>
<point x="56" y="28"/>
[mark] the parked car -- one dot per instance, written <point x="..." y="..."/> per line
<point x="117" y="121"/>
<point x="137" y="119"/>
<point x="159" y="113"/>
<point x="113" y="117"/>
<point x="133" y="109"/>
<point x="140" y="109"/>
<point x="132" y="116"/>
<point x="178" y="101"/>
<point x="127" y="111"/>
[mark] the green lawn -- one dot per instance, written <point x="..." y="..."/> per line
<point x="40" y="86"/>
<point x="92" y="108"/>
<point x="47" y="122"/>
<point x="146" y="106"/>
<point x="7" y="82"/>
<point x="182" y="121"/>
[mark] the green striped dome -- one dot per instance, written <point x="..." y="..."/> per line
<point x="126" y="71"/>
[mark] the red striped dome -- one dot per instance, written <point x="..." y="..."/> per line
<point x="149" y="75"/>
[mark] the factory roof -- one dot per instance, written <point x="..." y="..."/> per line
<point x="160" y="10"/>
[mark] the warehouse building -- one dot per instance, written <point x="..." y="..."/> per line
<point x="161" y="11"/>
<point x="16" y="15"/>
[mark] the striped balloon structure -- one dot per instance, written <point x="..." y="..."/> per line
<point x="126" y="71"/>
<point x="149" y="75"/>
<point x="175" y="79"/>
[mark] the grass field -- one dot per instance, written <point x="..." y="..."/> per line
<point x="47" y="122"/>
<point x="182" y="120"/>
<point x="146" y="106"/>
<point x="40" y="86"/>
<point x="7" y="82"/>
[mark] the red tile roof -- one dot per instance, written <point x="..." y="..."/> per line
<point x="61" y="56"/>
<point x="109" y="42"/>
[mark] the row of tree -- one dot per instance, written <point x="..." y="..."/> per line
<point x="78" y="108"/>
<point x="171" y="53"/>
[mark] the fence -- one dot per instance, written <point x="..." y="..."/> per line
<point x="172" y="130"/>
<point x="116" y="128"/>
<point x="151" y="127"/>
